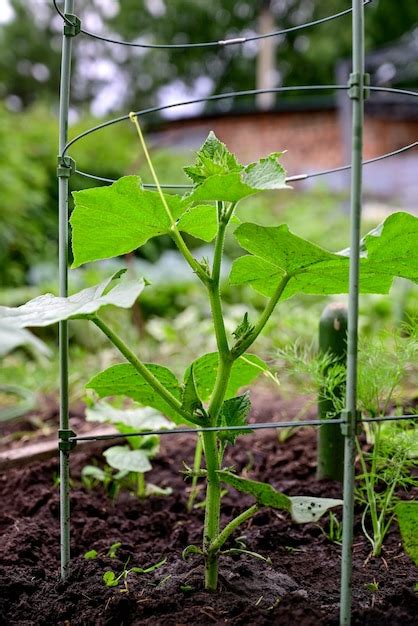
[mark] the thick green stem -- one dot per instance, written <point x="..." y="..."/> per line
<point x="213" y="489"/>
<point x="232" y="526"/>
<point x="212" y="510"/>
<point x="263" y="319"/>
<point x="141" y="490"/>
<point x="140" y="367"/>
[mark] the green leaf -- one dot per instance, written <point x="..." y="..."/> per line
<point x="110" y="580"/>
<point x="155" y="490"/>
<point x="124" y="380"/>
<point x="125" y="459"/>
<point x="12" y="337"/>
<point x="244" y="370"/>
<point x="264" y="493"/>
<point x="91" y="471"/>
<point x="265" y="174"/>
<point x="141" y="418"/>
<point x="234" y="412"/>
<point x="114" y="220"/>
<point x="304" y="509"/>
<point x="200" y="221"/>
<point x="387" y="252"/>
<point x="91" y="554"/>
<point x="407" y="514"/>
<point x="190" y="400"/>
<point x="49" y="309"/>
<point x="212" y="158"/>
<point x="112" y="552"/>
<point x="243" y="329"/>
<point x="232" y="186"/>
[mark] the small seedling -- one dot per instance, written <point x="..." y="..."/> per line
<point x="111" y="553"/>
<point x="116" y="220"/>
<point x="373" y="587"/>
<point x="112" y="579"/>
<point x="132" y="460"/>
<point x="334" y="532"/>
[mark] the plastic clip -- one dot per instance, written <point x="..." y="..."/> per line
<point x="349" y="426"/>
<point x="66" y="440"/>
<point x="356" y="82"/>
<point x="66" y="167"/>
<point x="72" y="25"/>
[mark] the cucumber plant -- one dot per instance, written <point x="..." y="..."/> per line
<point x="116" y="220"/>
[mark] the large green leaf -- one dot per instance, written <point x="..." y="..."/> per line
<point x="200" y="221"/>
<point x="219" y="177"/>
<point x="12" y="337"/>
<point x="139" y="418"/>
<point x="49" y="309"/>
<point x="244" y="370"/>
<point x="114" y="220"/>
<point x="386" y="252"/>
<point x="127" y="460"/>
<point x="124" y="380"/>
<point x="264" y="493"/>
<point x="303" y="509"/>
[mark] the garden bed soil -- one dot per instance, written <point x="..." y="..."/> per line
<point x="299" y="585"/>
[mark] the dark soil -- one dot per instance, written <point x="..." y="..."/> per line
<point x="300" y="586"/>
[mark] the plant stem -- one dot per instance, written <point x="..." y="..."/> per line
<point x="196" y="467"/>
<point x="213" y="489"/>
<point x="140" y="367"/>
<point x="263" y="319"/>
<point x="140" y="485"/>
<point x="232" y="526"/>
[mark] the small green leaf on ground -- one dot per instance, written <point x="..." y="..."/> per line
<point x="91" y="554"/>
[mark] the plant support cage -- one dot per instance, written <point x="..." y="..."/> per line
<point x="357" y="89"/>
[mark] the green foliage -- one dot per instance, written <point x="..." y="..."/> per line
<point x="407" y="516"/>
<point x="390" y="466"/>
<point x="125" y="217"/>
<point x="234" y="412"/>
<point x="48" y="309"/>
<point x="244" y="371"/>
<point x="113" y="579"/>
<point x="388" y="251"/>
<point x="132" y="460"/>
<point x="125" y="380"/>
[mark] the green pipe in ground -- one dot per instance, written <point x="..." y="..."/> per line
<point x="63" y="178"/>
<point x="356" y="93"/>
<point x="332" y="341"/>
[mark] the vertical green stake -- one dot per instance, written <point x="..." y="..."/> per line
<point x="63" y="178"/>
<point x="332" y="341"/>
<point x="356" y="93"/>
